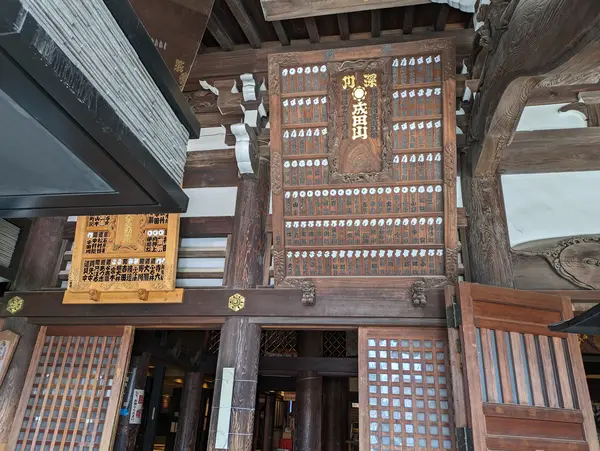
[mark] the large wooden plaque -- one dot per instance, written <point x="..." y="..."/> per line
<point x="363" y="163"/>
<point x="124" y="259"/>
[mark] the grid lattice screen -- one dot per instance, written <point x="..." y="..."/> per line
<point x="279" y="343"/>
<point x="273" y="343"/>
<point x="405" y="390"/>
<point x="72" y="391"/>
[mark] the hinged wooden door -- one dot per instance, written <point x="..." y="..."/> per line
<point x="73" y="389"/>
<point x="525" y="385"/>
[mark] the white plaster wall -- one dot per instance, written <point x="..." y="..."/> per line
<point x="547" y="117"/>
<point x="211" y="201"/>
<point x="540" y="206"/>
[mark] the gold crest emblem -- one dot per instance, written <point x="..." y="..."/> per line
<point x="237" y="302"/>
<point x="15" y="305"/>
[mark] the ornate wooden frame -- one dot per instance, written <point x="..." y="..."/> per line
<point x="338" y="60"/>
<point x="333" y="140"/>
<point x="118" y="292"/>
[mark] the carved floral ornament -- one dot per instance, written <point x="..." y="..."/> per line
<point x="577" y="259"/>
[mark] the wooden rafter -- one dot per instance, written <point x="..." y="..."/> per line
<point x="313" y="30"/>
<point x="281" y="34"/>
<point x="212" y="65"/>
<point x="376" y="23"/>
<point x="408" y="20"/>
<point x="245" y="21"/>
<point x="219" y="32"/>
<point x="343" y="26"/>
<point x="442" y="17"/>
<point x="294" y="9"/>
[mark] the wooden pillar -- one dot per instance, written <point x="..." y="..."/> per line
<point x="36" y="271"/>
<point x="158" y="377"/>
<point x="335" y="413"/>
<point x="309" y="395"/>
<point x="240" y="339"/>
<point x="189" y="412"/>
<point x="239" y="349"/>
<point x="269" y="422"/>
<point x="126" y="431"/>
<point x="487" y="233"/>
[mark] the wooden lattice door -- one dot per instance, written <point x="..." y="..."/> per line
<point x="73" y="389"/>
<point x="405" y="390"/>
<point x="525" y="385"/>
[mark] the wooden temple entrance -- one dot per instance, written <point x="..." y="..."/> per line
<point x="346" y="275"/>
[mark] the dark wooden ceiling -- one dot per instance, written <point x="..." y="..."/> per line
<point x="236" y="23"/>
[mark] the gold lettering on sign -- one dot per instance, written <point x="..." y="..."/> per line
<point x="348" y="81"/>
<point x="128" y="229"/>
<point x="359" y="109"/>
<point x="370" y="80"/>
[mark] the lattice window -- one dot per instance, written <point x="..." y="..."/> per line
<point x="72" y="391"/>
<point x="126" y="258"/>
<point x="405" y="390"/>
<point x="334" y="343"/>
<point x="281" y="343"/>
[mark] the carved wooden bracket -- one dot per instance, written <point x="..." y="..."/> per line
<point x="245" y="148"/>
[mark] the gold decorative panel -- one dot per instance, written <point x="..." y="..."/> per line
<point x="124" y="259"/>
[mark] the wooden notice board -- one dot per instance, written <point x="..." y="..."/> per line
<point x="363" y="163"/>
<point x="124" y="259"/>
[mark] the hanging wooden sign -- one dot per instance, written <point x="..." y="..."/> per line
<point x="363" y="163"/>
<point x="124" y="259"/>
<point x="8" y="345"/>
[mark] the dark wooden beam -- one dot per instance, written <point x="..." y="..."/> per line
<point x="552" y="151"/>
<point x="213" y="65"/>
<point x="313" y="30"/>
<point x="409" y="19"/>
<point x="219" y="31"/>
<point x="211" y="168"/>
<point x="281" y="34"/>
<point x="245" y="21"/>
<point x="342" y="20"/>
<point x="278" y="9"/>
<point x="392" y="303"/>
<point x="376" y="23"/>
<point x="207" y="226"/>
<point x="442" y="17"/>
<point x="558" y="94"/>
<point x="519" y="63"/>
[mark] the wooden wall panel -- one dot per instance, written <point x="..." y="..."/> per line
<point x="363" y="163"/>
<point x="73" y="389"/>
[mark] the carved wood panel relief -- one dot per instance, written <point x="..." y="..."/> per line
<point x="363" y="163"/>
<point x="124" y="259"/>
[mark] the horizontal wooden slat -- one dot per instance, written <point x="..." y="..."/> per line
<point x="517" y="326"/>
<point x="532" y="413"/>
<point x="502" y="312"/>
<point x="515" y="297"/>
<point x="534" y="428"/>
<point x="504" y="443"/>
<point x="184" y="252"/>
